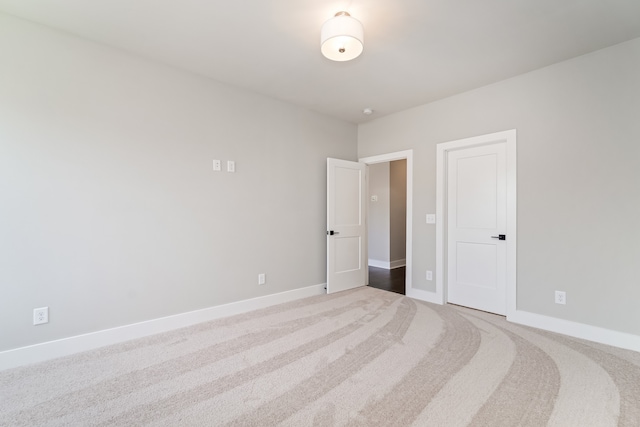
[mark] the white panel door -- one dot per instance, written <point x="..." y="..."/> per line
<point x="476" y="227"/>
<point x="346" y="228"/>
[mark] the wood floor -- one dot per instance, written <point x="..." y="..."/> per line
<point x="388" y="280"/>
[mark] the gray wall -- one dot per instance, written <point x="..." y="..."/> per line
<point x="578" y="126"/>
<point x="110" y="212"/>
<point x="379" y="211"/>
<point x="398" y="208"/>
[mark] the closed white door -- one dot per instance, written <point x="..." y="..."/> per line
<point x="476" y="227"/>
<point x="346" y="227"/>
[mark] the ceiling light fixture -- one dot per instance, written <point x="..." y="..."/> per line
<point x="342" y="37"/>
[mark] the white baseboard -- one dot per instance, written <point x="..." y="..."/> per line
<point x="553" y="324"/>
<point x="379" y="264"/>
<point x="421" y="295"/>
<point x="386" y="264"/>
<point x="577" y="330"/>
<point x="398" y="263"/>
<point x="79" y="343"/>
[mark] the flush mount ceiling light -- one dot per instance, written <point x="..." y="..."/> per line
<point x="342" y="38"/>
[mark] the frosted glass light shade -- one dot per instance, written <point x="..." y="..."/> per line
<point x="342" y="37"/>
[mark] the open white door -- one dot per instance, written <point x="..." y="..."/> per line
<point x="346" y="228"/>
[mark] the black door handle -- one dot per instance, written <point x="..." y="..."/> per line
<point x="500" y="237"/>
<point x="332" y="233"/>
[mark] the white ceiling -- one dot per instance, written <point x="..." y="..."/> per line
<point x="416" y="51"/>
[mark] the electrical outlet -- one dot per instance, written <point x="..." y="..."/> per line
<point x="429" y="275"/>
<point x="262" y="279"/>
<point x="40" y="315"/>
<point x="231" y="166"/>
<point x="216" y="165"/>
<point x="561" y="297"/>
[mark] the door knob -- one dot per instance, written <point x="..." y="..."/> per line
<point x="332" y="233"/>
<point x="500" y="237"/>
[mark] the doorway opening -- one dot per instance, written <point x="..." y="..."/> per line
<point x="389" y="224"/>
<point x="386" y="225"/>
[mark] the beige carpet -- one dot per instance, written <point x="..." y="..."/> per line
<point x="358" y="358"/>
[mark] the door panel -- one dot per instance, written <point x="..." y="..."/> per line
<point x="347" y="253"/>
<point x="346" y="228"/>
<point x="346" y="186"/>
<point x="476" y="192"/>
<point x="476" y="265"/>
<point x="476" y="211"/>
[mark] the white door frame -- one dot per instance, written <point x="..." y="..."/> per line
<point x="390" y="157"/>
<point x="508" y="137"/>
